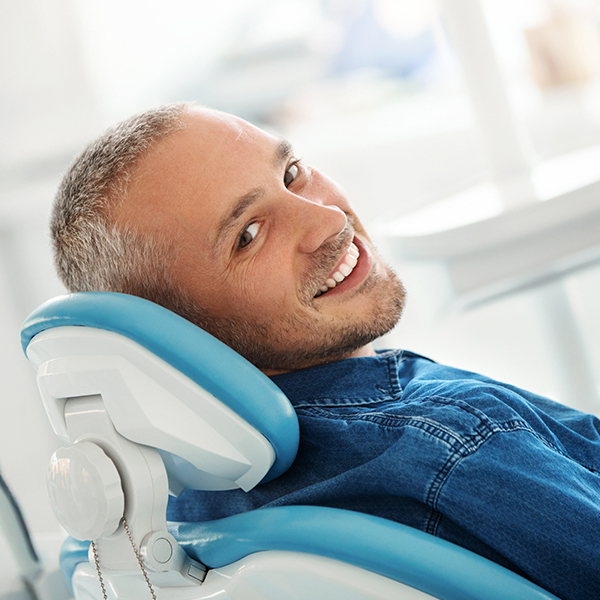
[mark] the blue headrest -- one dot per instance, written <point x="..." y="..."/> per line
<point x="197" y="354"/>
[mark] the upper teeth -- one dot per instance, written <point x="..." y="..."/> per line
<point x="345" y="268"/>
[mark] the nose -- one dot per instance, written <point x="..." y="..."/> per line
<point x="315" y="223"/>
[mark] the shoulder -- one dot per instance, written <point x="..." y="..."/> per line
<point x="477" y="406"/>
<point x="440" y="386"/>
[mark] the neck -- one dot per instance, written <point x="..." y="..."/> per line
<point x="367" y="350"/>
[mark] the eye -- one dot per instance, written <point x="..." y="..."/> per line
<point x="291" y="173"/>
<point x="248" y="235"/>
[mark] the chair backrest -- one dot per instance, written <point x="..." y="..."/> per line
<point x="77" y="333"/>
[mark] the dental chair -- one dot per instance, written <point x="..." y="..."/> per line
<point x="148" y="404"/>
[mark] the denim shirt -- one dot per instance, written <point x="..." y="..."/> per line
<point x="500" y="471"/>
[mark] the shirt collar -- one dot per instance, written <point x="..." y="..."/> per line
<point x="353" y="380"/>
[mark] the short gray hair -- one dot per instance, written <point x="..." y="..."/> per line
<point x="91" y="253"/>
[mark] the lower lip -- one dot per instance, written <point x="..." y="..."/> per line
<point x="358" y="275"/>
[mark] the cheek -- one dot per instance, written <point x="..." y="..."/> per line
<point x="262" y="284"/>
<point x="268" y="280"/>
<point x="210" y="287"/>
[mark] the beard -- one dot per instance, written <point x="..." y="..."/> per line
<point x="302" y="340"/>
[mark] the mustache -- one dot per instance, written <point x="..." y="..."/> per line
<point x="323" y="261"/>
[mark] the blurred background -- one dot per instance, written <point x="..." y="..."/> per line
<point x="372" y="92"/>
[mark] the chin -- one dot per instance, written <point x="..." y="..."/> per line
<point x="306" y="342"/>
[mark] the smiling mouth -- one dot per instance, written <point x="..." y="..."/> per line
<point x="344" y="269"/>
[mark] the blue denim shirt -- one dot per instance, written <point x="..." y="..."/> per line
<point x="508" y="474"/>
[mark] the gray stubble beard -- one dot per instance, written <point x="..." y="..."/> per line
<point x="300" y="342"/>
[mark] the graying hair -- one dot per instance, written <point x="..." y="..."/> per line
<point x="91" y="253"/>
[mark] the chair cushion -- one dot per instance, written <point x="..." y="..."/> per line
<point x="415" y="558"/>
<point x="404" y="554"/>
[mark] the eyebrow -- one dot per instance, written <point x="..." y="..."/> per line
<point x="229" y="222"/>
<point x="282" y="152"/>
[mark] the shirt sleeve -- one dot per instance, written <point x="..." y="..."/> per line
<point x="532" y="504"/>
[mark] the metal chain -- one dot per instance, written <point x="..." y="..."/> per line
<point x="98" y="570"/>
<point x="139" y="559"/>
<point x="137" y="555"/>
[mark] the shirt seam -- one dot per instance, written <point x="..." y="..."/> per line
<point x="342" y="402"/>
<point x="470" y="442"/>
<point x="459" y="446"/>
<point x="456" y="456"/>
<point x="392" y="364"/>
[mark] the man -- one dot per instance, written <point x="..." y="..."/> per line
<point x="247" y="227"/>
<point x="203" y="213"/>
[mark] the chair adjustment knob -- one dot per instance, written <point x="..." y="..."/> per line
<point x="85" y="491"/>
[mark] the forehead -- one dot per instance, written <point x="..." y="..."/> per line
<point x="211" y="143"/>
<point x="197" y="171"/>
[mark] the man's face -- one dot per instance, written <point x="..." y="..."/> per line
<point x="260" y="236"/>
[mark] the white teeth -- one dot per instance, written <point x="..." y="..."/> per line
<point x="350" y="261"/>
<point x="345" y="270"/>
